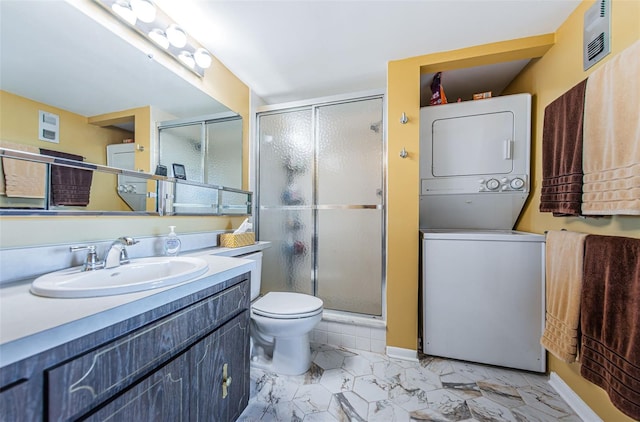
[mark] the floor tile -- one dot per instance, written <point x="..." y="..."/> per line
<point x="312" y="398"/>
<point x="449" y="404"/>
<point x="337" y="380"/>
<point x="349" y="385"/>
<point x="485" y="410"/>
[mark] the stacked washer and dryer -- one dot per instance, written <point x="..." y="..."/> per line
<point x="482" y="282"/>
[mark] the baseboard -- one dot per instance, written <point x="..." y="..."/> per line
<point x="404" y="354"/>
<point x="572" y="399"/>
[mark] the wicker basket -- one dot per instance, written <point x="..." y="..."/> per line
<point x="236" y="240"/>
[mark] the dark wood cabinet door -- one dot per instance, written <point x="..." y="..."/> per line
<point x="229" y="345"/>
<point x="21" y="402"/>
<point x="162" y="396"/>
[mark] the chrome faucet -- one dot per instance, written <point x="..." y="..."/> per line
<point x="91" y="262"/>
<point x="117" y="254"/>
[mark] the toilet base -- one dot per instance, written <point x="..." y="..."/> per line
<point x="291" y="356"/>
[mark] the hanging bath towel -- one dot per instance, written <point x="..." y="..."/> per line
<point x="611" y="156"/>
<point x="610" y="319"/>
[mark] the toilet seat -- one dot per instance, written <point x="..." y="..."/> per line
<point x="287" y="305"/>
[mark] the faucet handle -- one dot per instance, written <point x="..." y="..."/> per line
<point x="92" y="262"/>
<point x="127" y="241"/>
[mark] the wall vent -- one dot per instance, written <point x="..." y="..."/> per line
<point x="48" y="127"/>
<point x="597" y="33"/>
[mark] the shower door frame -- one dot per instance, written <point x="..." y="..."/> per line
<point x="312" y="105"/>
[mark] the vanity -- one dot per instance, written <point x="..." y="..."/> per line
<point x="179" y="353"/>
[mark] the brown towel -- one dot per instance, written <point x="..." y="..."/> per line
<point x="611" y="155"/>
<point x="564" y="261"/>
<point x="69" y="186"/>
<point x="610" y="320"/>
<point x="21" y="178"/>
<point x="562" y="153"/>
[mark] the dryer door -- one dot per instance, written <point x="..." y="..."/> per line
<point x="476" y="145"/>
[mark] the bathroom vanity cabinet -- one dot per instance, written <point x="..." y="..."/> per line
<point x="187" y="360"/>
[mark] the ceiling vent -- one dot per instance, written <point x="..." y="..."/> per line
<point x="597" y="33"/>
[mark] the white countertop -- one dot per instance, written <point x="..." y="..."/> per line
<point x="30" y="324"/>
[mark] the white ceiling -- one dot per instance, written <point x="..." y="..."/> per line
<point x="283" y="50"/>
<point x="292" y="50"/>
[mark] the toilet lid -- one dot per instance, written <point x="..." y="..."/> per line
<point x="287" y="305"/>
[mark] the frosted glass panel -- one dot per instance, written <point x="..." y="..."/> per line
<point x="350" y="260"/>
<point x="182" y="145"/>
<point x="287" y="263"/>
<point x="234" y="203"/>
<point x="224" y="153"/>
<point x="195" y="199"/>
<point x="345" y="142"/>
<point x="350" y="153"/>
<point x="286" y="159"/>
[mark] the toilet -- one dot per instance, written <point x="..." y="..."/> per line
<point x="280" y="326"/>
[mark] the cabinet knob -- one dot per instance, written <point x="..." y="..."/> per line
<point x="226" y="381"/>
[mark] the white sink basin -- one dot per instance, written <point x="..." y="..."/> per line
<point x="140" y="274"/>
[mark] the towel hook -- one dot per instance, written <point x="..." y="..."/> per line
<point x="404" y="119"/>
<point x="404" y="153"/>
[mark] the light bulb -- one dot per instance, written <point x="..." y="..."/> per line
<point x="176" y="35"/>
<point x="122" y="9"/>
<point x="159" y="37"/>
<point x="144" y="10"/>
<point x="187" y="58"/>
<point x="203" y="58"/>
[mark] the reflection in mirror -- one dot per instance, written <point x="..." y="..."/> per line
<point x="103" y="90"/>
<point x="209" y="148"/>
<point x="132" y="190"/>
<point x="53" y="182"/>
<point x="193" y="198"/>
<point x="204" y="199"/>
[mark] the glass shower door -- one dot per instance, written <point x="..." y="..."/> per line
<point x="320" y="202"/>
<point x="349" y="215"/>
<point x="285" y="197"/>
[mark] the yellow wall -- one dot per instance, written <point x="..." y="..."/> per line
<point x="218" y="82"/>
<point x="547" y="78"/>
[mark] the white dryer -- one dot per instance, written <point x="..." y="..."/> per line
<point x="482" y="289"/>
<point x="474" y="163"/>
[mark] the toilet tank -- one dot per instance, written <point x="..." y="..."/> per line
<point x="256" y="273"/>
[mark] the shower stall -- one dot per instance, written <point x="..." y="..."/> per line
<point x="320" y="201"/>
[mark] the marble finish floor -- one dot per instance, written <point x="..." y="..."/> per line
<point x="352" y="385"/>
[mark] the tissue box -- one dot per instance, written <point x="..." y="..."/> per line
<point x="235" y="240"/>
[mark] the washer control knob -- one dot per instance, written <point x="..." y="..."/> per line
<point x="517" y="183"/>
<point x="493" y="184"/>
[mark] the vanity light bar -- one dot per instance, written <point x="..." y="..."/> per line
<point x="154" y="25"/>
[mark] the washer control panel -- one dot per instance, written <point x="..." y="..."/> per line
<point x="501" y="184"/>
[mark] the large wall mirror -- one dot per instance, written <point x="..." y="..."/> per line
<point x="71" y="86"/>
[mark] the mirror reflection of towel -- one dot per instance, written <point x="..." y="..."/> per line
<point x="22" y="179"/>
<point x="69" y="186"/>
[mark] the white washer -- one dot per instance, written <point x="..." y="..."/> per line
<point x="483" y="296"/>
